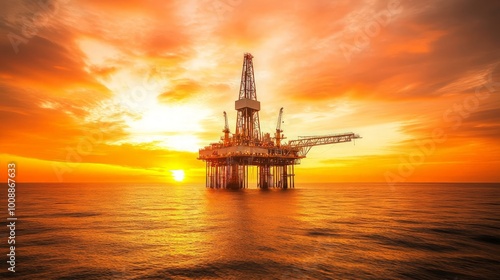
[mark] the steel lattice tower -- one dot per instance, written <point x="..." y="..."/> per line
<point x="247" y="123"/>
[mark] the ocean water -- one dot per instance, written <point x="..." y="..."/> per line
<point x="315" y="231"/>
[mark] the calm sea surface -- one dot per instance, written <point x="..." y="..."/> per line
<point x="316" y="231"/>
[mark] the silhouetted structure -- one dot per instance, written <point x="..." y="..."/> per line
<point x="228" y="161"/>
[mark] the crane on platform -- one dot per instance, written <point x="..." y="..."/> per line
<point x="305" y="143"/>
<point x="226" y="130"/>
<point x="278" y="134"/>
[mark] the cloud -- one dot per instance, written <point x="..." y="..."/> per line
<point x="190" y="89"/>
<point x="333" y="66"/>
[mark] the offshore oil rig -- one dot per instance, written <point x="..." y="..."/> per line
<point x="228" y="161"/>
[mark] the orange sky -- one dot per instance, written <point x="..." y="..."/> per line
<point x="100" y="91"/>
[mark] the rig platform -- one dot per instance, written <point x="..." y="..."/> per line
<point x="228" y="161"/>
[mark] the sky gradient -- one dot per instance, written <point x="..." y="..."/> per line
<point x="95" y="91"/>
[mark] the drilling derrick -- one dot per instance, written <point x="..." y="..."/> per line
<point x="247" y="124"/>
<point x="228" y="161"/>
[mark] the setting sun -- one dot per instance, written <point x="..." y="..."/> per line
<point x="178" y="175"/>
<point x="108" y="108"/>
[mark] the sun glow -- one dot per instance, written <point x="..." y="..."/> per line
<point x="175" y="127"/>
<point x="178" y="175"/>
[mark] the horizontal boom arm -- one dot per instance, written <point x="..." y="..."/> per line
<point x="305" y="143"/>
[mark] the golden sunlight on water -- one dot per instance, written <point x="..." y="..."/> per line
<point x="338" y="231"/>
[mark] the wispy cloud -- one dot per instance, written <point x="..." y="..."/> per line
<point x="154" y="77"/>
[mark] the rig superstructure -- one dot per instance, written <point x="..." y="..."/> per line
<point x="228" y="161"/>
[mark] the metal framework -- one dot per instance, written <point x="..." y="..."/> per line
<point x="247" y="124"/>
<point x="305" y="143"/>
<point x="230" y="162"/>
